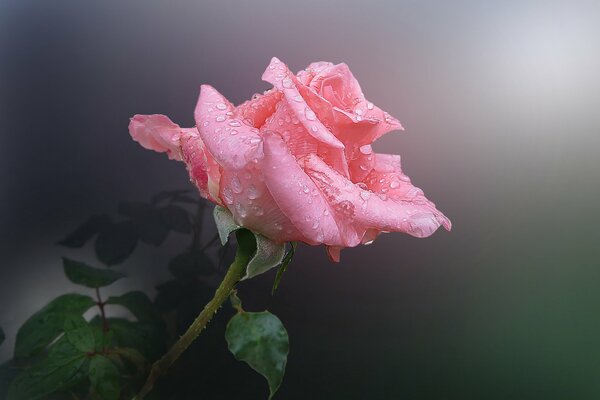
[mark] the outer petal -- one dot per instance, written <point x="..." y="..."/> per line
<point x="204" y="171"/>
<point x="232" y="143"/>
<point x="296" y="194"/>
<point x="371" y="211"/>
<point x="156" y="132"/>
<point x="255" y="112"/>
<point x="280" y="76"/>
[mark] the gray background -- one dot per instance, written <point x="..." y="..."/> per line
<point x="500" y="105"/>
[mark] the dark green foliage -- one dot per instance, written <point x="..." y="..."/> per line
<point x="45" y="325"/>
<point x="139" y="304"/>
<point x="187" y="265"/>
<point x="105" y="378"/>
<point x="82" y="274"/>
<point x="79" y="333"/>
<point x="283" y="266"/>
<point x="63" y="368"/>
<point x="86" y="231"/>
<point x="259" y="339"/>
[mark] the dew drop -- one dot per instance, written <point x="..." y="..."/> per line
<point x="310" y="114"/>
<point x="298" y="98"/>
<point x="220" y="118"/>
<point x="221" y="106"/>
<point x="205" y="123"/>
<point x="314" y="128"/>
<point x="233" y="132"/>
<point x="234" y="123"/>
<point x="236" y="185"/>
<point x="358" y="111"/>
<point x="287" y="83"/>
<point x="252" y="193"/>
<point x="394" y="184"/>
<point x="366" y="149"/>
<point x="227" y="195"/>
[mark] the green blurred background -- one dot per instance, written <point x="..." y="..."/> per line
<point x="500" y="105"/>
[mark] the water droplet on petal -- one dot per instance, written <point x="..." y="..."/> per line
<point x="369" y="105"/>
<point x="236" y="185"/>
<point x="233" y="132"/>
<point x="227" y="195"/>
<point x="358" y="111"/>
<point x="394" y="184"/>
<point x="252" y="193"/>
<point x="234" y="123"/>
<point x="205" y="123"/>
<point x="366" y="149"/>
<point x="314" y="128"/>
<point x="221" y="106"/>
<point x="287" y="83"/>
<point x="310" y="114"/>
<point x="220" y="118"/>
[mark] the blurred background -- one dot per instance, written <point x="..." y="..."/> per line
<point x="500" y="105"/>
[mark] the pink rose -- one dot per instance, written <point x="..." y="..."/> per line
<point x="295" y="163"/>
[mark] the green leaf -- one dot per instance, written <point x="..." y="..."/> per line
<point x="86" y="231"/>
<point x="138" y="303"/>
<point x="104" y="377"/>
<point x="188" y="265"/>
<point x="260" y="340"/>
<point x="64" y="368"/>
<point x="131" y="355"/>
<point x="45" y="325"/>
<point x="82" y="274"/>
<point x="284" y="264"/>
<point x="146" y="337"/>
<point x="115" y="243"/>
<point x="102" y="339"/>
<point x="268" y="254"/>
<point x="176" y="218"/>
<point x="79" y="333"/>
<point x="225" y="223"/>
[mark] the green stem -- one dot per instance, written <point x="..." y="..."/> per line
<point x="233" y="276"/>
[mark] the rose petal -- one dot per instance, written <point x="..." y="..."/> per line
<point x="156" y="132"/>
<point x="203" y="169"/>
<point x="296" y="194"/>
<point x="232" y="143"/>
<point x="259" y="108"/>
<point x="369" y="210"/>
<point x="282" y="79"/>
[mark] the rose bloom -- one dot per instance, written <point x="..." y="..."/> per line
<point x="296" y="163"/>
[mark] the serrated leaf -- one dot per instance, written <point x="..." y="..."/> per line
<point x="131" y="355"/>
<point x="45" y="325"/>
<point x="225" y="223"/>
<point x="146" y="337"/>
<point x="188" y="265"/>
<point x="86" y="231"/>
<point x="138" y="303"/>
<point x="104" y="377"/>
<point x="176" y="218"/>
<point x="79" y="333"/>
<point x="82" y="274"/>
<point x="284" y="264"/>
<point x="260" y="340"/>
<point x="115" y="243"/>
<point x="269" y="254"/>
<point x="63" y="368"/>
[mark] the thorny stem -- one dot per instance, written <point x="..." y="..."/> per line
<point x="234" y="274"/>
